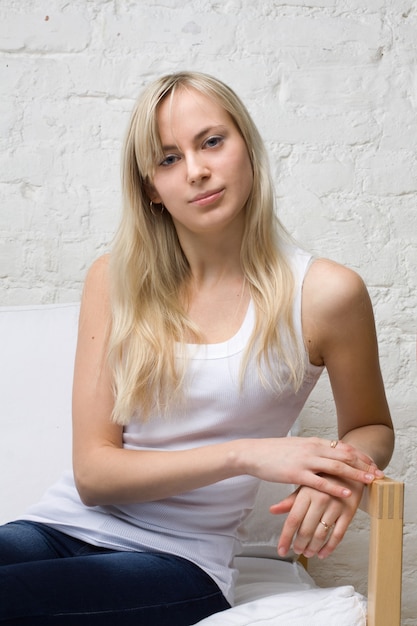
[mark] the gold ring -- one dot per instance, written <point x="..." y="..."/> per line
<point x="326" y="526"/>
<point x="333" y="443"/>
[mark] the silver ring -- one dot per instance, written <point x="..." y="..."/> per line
<point x="326" y="526"/>
<point x="334" y="443"/>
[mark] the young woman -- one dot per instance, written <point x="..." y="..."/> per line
<point x="200" y="338"/>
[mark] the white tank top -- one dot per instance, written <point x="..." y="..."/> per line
<point x="200" y="525"/>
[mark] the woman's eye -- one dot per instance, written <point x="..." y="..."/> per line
<point x="213" y="142"/>
<point x="170" y="159"/>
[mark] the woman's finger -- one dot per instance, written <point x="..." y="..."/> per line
<point x="316" y="529"/>
<point x="338" y="450"/>
<point x="335" y="537"/>
<point x="336" y="469"/>
<point x="293" y="522"/>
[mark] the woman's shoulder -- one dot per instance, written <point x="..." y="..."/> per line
<point x="96" y="286"/>
<point x="335" y="303"/>
<point x="332" y="286"/>
<point x="99" y="267"/>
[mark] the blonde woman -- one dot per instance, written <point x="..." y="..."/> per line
<point x="200" y="338"/>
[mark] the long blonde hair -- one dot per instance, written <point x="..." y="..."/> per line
<point x="149" y="270"/>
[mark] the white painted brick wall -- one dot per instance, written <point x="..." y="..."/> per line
<point x="332" y="85"/>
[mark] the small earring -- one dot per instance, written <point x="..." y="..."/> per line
<point x="153" y="212"/>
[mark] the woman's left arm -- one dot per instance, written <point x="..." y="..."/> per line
<point x="339" y="332"/>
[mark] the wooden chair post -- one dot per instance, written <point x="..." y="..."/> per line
<point x="384" y="502"/>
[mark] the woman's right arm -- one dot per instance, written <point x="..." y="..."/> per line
<point x="106" y="473"/>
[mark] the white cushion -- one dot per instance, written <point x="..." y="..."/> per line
<point x="270" y="592"/>
<point x="36" y="368"/>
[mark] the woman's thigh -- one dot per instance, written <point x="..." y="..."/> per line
<point x="106" y="589"/>
<point x="23" y="541"/>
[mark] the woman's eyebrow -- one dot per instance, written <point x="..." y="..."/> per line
<point x="197" y="137"/>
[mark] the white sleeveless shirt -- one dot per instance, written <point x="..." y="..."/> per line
<point x="200" y="525"/>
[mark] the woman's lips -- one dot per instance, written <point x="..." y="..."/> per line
<point x="208" y="197"/>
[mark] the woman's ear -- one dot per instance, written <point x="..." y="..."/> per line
<point x="153" y="194"/>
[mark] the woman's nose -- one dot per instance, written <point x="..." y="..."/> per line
<point x="197" y="168"/>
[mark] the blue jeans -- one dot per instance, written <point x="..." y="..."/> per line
<point x="48" y="578"/>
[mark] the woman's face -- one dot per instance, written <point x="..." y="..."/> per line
<point x="205" y="176"/>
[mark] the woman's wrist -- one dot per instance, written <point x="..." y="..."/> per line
<point x="240" y="457"/>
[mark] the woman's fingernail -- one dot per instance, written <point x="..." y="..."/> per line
<point x="379" y="474"/>
<point x="370" y="477"/>
<point x="346" y="492"/>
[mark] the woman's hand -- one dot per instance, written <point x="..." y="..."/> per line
<point x="309" y="461"/>
<point x="316" y="522"/>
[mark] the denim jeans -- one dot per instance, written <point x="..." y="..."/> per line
<point x="48" y="578"/>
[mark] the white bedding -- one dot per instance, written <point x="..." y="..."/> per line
<point x="270" y="592"/>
